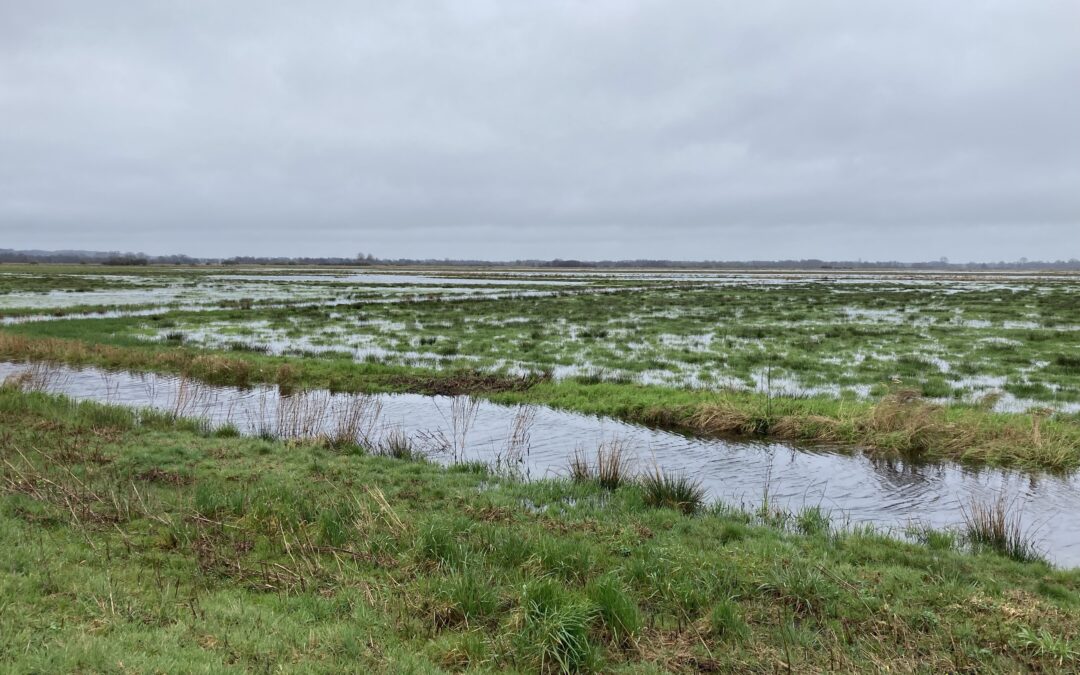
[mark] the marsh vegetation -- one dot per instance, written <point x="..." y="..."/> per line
<point x="344" y="535"/>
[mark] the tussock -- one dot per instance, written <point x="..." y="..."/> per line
<point x="611" y="468"/>
<point x="672" y="490"/>
<point x="998" y="526"/>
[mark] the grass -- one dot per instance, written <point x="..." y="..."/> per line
<point x="149" y="543"/>
<point x="801" y="338"/>
<point x="138" y="541"/>
<point x="611" y="468"/>
<point x="997" y="526"/>
<point x="661" y="489"/>
<point x="616" y="607"/>
<point x="808" y="336"/>
<point x="554" y="627"/>
<point x="1049" y="647"/>
<point x="726" y="623"/>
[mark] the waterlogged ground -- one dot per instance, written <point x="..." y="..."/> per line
<point x="1014" y="346"/>
<point x="1011" y="342"/>
<point x="24" y="293"/>
<point x="151" y="541"/>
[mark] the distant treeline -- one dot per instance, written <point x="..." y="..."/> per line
<point x="128" y="258"/>
<point x="8" y="255"/>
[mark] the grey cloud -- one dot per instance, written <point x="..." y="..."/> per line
<point x="573" y="129"/>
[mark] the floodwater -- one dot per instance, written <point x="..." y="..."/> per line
<point x="121" y="306"/>
<point x="391" y="278"/>
<point x="854" y="488"/>
<point x="213" y="288"/>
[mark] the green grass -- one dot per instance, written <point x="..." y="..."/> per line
<point x="150" y="544"/>
<point x="661" y="489"/>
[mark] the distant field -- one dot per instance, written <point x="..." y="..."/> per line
<point x="1008" y="342"/>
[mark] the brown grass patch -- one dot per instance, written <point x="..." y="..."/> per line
<point x="723" y="418"/>
<point x="819" y="427"/>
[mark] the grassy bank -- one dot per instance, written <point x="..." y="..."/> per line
<point x="900" y="422"/>
<point x="144" y="543"/>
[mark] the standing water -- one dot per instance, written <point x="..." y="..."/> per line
<point x="539" y="441"/>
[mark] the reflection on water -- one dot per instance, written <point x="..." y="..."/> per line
<point x="856" y="488"/>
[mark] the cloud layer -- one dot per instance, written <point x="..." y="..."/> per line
<point x="557" y="129"/>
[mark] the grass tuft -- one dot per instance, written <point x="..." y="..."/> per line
<point x="812" y="520"/>
<point x="398" y="444"/>
<point x="554" y="628"/>
<point x="470" y="597"/>
<point x="674" y="491"/>
<point x="616" y="608"/>
<point x="998" y="527"/>
<point x="726" y="622"/>
<point x="611" y="469"/>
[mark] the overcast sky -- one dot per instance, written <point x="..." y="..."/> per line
<point x="604" y="129"/>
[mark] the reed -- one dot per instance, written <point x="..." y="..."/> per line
<point x="189" y="397"/>
<point x="355" y="418"/>
<point x="463" y="411"/>
<point x="611" y="467"/>
<point x="396" y="443"/>
<point x="997" y="525"/>
<point x="519" y="439"/>
<point x="36" y="376"/>
<point x="302" y="415"/>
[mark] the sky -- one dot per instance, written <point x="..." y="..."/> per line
<point x="505" y="130"/>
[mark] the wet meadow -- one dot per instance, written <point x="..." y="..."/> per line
<point x="537" y="471"/>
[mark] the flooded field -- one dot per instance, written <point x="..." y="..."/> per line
<point x="191" y="290"/>
<point x="711" y="461"/>
<point x="538" y="442"/>
<point x="1004" y="343"/>
<point x="1008" y="344"/>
